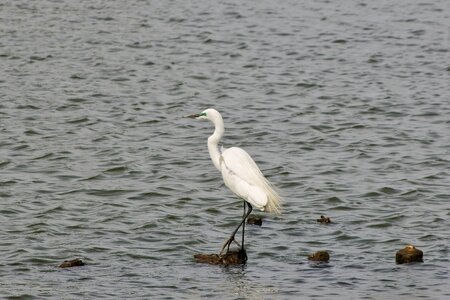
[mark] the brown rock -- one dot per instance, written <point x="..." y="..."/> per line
<point x="212" y="259"/>
<point x="229" y="258"/>
<point x="408" y="254"/>
<point x="72" y="263"/>
<point x="324" y="220"/>
<point x="320" y="256"/>
<point x="254" y="220"/>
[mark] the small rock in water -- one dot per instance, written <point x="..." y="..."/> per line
<point x="72" y="263"/>
<point x="229" y="258"/>
<point x="408" y="254"/>
<point x="323" y="256"/>
<point x="324" y="220"/>
<point x="254" y="220"/>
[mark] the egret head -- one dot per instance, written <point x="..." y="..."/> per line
<point x="199" y="116"/>
<point x="208" y="114"/>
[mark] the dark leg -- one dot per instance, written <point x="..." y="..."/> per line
<point x="231" y="239"/>
<point x="243" y="226"/>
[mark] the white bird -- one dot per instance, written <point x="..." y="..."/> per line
<point x="240" y="174"/>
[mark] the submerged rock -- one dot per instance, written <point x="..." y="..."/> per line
<point x="324" y="220"/>
<point x="254" y="220"/>
<point x="72" y="263"/>
<point x="323" y="256"/>
<point x="408" y="254"/>
<point x="229" y="258"/>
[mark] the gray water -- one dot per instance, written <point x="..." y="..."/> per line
<point x="343" y="104"/>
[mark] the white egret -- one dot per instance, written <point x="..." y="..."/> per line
<point x="240" y="174"/>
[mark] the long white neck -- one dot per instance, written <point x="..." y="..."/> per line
<point x="214" y="139"/>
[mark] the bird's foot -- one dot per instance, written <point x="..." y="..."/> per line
<point x="228" y="244"/>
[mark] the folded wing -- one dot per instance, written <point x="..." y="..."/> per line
<point x="241" y="174"/>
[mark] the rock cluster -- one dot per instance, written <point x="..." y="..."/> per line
<point x="324" y="220"/>
<point x="254" y="220"/>
<point x="72" y="263"/>
<point x="230" y="258"/>
<point x="408" y="254"/>
<point x="322" y="256"/>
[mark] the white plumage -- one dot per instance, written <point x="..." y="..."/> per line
<point x="241" y="175"/>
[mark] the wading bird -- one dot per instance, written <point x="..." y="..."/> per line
<point x="240" y="174"/>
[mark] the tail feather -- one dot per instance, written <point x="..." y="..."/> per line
<point x="273" y="200"/>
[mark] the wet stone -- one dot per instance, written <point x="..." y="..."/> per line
<point x="254" y="220"/>
<point x="408" y="254"/>
<point x="322" y="256"/>
<point x="324" y="220"/>
<point x="72" y="263"/>
<point x="229" y="258"/>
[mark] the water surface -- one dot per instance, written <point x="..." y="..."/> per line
<point x="344" y="105"/>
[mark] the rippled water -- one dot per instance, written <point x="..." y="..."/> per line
<point x="343" y="104"/>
